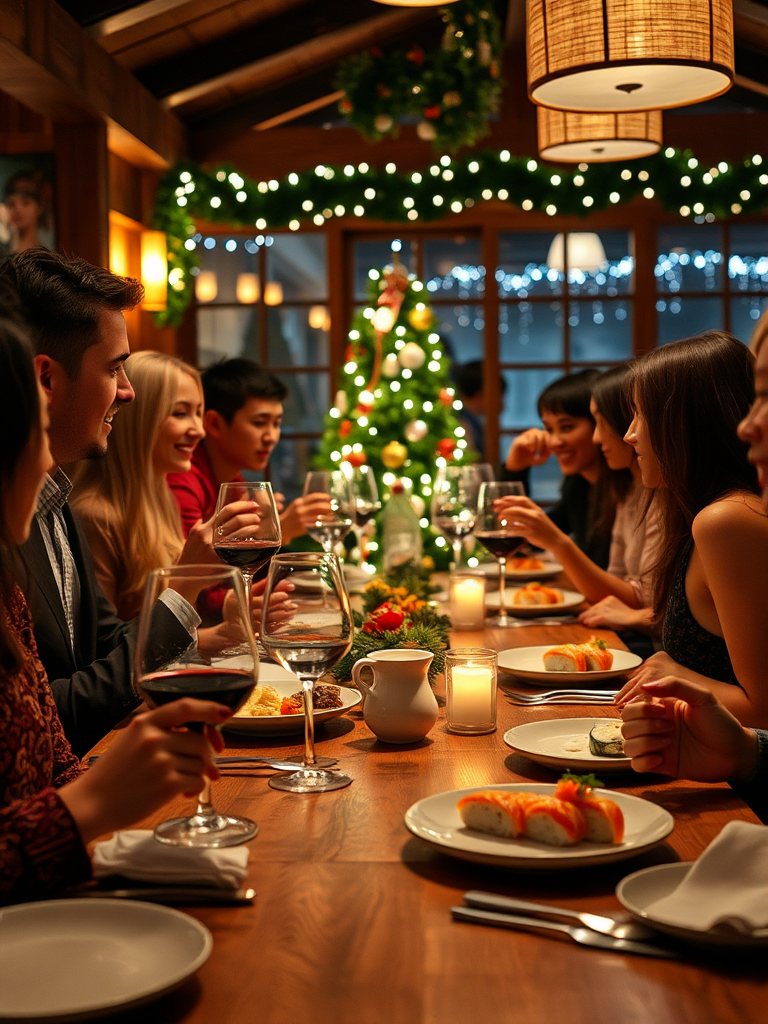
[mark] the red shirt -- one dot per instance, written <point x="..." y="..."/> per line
<point x="196" y="491"/>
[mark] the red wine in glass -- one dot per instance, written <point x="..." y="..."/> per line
<point x="247" y="554"/>
<point x="499" y="543"/>
<point x="231" y="687"/>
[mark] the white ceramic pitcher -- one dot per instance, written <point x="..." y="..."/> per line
<point x="399" y="706"/>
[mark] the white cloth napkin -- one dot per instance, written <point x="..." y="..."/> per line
<point x="727" y="885"/>
<point x="137" y="854"/>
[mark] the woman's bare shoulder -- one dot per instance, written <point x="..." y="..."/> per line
<point x="738" y="514"/>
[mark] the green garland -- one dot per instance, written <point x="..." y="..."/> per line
<point x="452" y="90"/>
<point x="674" y="177"/>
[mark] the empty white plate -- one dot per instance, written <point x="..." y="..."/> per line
<point x="76" y="958"/>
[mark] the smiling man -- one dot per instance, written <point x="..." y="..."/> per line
<point x="74" y="313"/>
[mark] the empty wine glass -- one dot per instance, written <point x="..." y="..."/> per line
<point x="498" y="534"/>
<point x="219" y="663"/>
<point x="365" y="501"/>
<point x="454" y="504"/>
<point x="308" y="644"/>
<point x="248" y="539"/>
<point x="332" y="525"/>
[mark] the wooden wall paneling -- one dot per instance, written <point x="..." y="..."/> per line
<point x="643" y="230"/>
<point x="82" y="190"/>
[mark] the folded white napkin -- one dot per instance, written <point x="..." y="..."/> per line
<point x="137" y="854"/>
<point x="727" y="886"/>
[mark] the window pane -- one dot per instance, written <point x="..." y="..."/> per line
<point x="297" y="263"/>
<point x="600" y="330"/>
<point x="289" y="463"/>
<point x="523" y="270"/>
<point x="614" y="277"/>
<point x="748" y="262"/>
<point x="690" y="258"/>
<point x="523" y="390"/>
<point x="745" y="312"/>
<point x="307" y="403"/>
<point x="452" y="267"/>
<point x="682" y="318"/>
<point x="290" y="339"/>
<point x="461" y="328"/>
<point x="225" y="333"/>
<point x="374" y="255"/>
<point x="531" y="332"/>
<point x="227" y="256"/>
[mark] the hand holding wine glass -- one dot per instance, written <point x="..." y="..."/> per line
<point x="308" y="644"/>
<point x="246" y="527"/>
<point x="170" y="665"/>
<point x="497" y="531"/>
<point x="334" y="522"/>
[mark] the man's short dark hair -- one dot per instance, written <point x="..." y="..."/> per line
<point x="229" y="384"/>
<point x="468" y="378"/>
<point x="62" y="299"/>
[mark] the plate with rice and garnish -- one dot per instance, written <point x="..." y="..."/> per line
<point x="576" y="744"/>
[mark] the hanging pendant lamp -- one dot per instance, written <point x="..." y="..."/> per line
<point x="618" y="55"/>
<point x="598" y="138"/>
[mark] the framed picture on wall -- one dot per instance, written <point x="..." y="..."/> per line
<point x="26" y="202"/>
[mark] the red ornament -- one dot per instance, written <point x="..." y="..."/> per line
<point x="433" y="112"/>
<point x="344" y="428"/>
<point x="416" y="55"/>
<point x="384" y="618"/>
<point x="445" y="447"/>
<point x="364" y="408"/>
<point x="445" y="396"/>
<point x="356" y="459"/>
<point x="349" y="354"/>
<point x="494" y="70"/>
<point x="383" y="90"/>
<point x="375" y="51"/>
<point x="345" y="106"/>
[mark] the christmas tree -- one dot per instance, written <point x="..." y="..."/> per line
<point x="395" y="408"/>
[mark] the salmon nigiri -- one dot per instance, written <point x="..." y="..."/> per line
<point x="565" y="658"/>
<point x="605" y="822"/>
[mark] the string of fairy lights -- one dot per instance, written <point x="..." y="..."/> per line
<point x="309" y="199"/>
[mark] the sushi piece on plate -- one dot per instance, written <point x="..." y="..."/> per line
<point x="604" y="820"/>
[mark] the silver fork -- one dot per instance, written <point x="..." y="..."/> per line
<point x="563" y="698"/>
<point x="578" y="692"/>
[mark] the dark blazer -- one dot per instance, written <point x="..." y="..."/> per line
<point x="93" y="686"/>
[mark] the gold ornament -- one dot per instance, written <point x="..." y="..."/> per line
<point x="394" y="454"/>
<point x="420" y="319"/>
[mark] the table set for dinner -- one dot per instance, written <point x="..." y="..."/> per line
<point x="364" y="896"/>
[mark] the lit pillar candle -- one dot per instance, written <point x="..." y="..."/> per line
<point x="467" y="602"/>
<point x="471" y="690"/>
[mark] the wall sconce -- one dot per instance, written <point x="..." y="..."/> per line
<point x="206" y="286"/>
<point x="273" y="293"/>
<point x="248" y="288"/>
<point x="585" y="252"/>
<point x="154" y="270"/>
<point x="319" y="319"/>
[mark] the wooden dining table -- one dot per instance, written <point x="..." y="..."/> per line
<point x="352" y="925"/>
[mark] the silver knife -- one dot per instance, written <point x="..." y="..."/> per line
<point x="188" y="894"/>
<point x="583" y="936"/>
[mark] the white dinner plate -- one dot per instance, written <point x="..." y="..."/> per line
<point x="354" y="578"/>
<point x="491" y="569"/>
<point x="71" y="959"/>
<point x="547" y="743"/>
<point x="528" y="663"/>
<point x="638" y="891"/>
<point x="571" y="599"/>
<point x="437" y="821"/>
<point x="286" y="683"/>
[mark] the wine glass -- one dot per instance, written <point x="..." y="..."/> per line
<point x="219" y="663"/>
<point x="454" y="504"/>
<point x="308" y="644"/>
<point x="365" y="501"/>
<point x="496" y="532"/>
<point x="246" y="545"/>
<point x="332" y="525"/>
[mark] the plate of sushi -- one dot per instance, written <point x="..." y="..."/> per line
<point x="535" y="599"/>
<point x="537" y="826"/>
<point x="568" y="663"/>
<point x="520" y="568"/>
<point x="576" y="744"/>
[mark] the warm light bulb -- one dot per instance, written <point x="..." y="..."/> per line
<point x="318" y="316"/>
<point x="206" y="286"/>
<point x="247" y="288"/>
<point x="273" y="293"/>
<point x="154" y="270"/>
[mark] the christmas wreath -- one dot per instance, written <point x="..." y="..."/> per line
<point x="451" y="91"/>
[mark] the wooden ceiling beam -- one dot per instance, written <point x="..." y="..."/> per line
<point x="132" y="16"/>
<point x="750" y="25"/>
<point x="55" y="68"/>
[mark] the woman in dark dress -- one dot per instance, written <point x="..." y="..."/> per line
<point x="49" y="807"/>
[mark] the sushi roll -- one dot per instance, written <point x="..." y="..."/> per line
<point x="599" y="658"/>
<point x="606" y="740"/>
<point x="535" y="594"/>
<point x="554" y="822"/>
<point x="566" y="658"/>
<point x="494" y="811"/>
<point x="603" y="817"/>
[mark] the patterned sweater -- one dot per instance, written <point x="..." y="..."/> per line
<point x="40" y="846"/>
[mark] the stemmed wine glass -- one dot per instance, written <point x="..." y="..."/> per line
<point x="219" y="663"/>
<point x="308" y="644"/>
<point x="454" y="504"/>
<point x="247" y="545"/>
<point x="333" y="525"/>
<point x="497" y="532"/>
<point x="365" y="501"/>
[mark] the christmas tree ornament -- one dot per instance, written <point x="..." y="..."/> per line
<point x="426" y="131"/>
<point x="391" y="365"/>
<point x="452" y="98"/>
<point x="445" y="396"/>
<point x="383" y="123"/>
<point x="421" y="319"/>
<point x="412" y="356"/>
<point x="344" y="428"/>
<point x="415" y="430"/>
<point x="395" y="282"/>
<point x="445" y="447"/>
<point x="341" y="402"/>
<point x="394" y="454"/>
<point x="356" y="459"/>
<point x="384" y="319"/>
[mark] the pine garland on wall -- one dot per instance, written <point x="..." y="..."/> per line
<point x="675" y="178"/>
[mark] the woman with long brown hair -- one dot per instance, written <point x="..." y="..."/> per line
<point x="709" y="592"/>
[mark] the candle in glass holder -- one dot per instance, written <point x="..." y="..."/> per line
<point x="470" y="678"/>
<point x="467" y="596"/>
